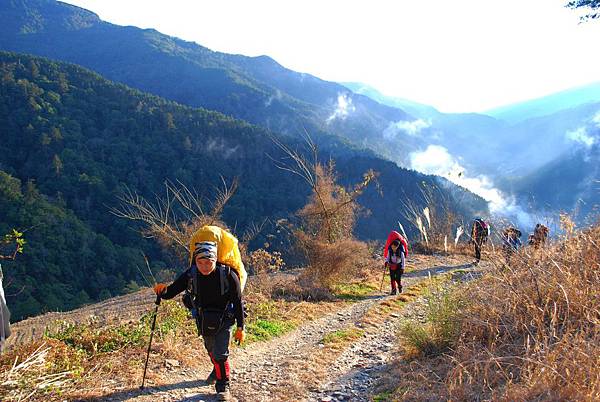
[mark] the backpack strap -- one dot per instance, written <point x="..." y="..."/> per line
<point x="224" y="271"/>
<point x="194" y="273"/>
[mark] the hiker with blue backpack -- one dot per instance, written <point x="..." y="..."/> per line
<point x="214" y="294"/>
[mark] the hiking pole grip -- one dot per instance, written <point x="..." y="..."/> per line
<point x="157" y="302"/>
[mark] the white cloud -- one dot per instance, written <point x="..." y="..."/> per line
<point x="343" y="108"/>
<point x="409" y="127"/>
<point x="437" y="160"/>
<point x="278" y="95"/>
<point x="581" y="135"/>
<point x="596" y="119"/>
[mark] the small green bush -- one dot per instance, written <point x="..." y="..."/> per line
<point x="263" y="330"/>
<point x="342" y="335"/>
<point x="441" y="328"/>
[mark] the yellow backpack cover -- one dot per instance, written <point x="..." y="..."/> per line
<point x="228" y="251"/>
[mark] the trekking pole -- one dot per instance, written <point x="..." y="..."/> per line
<point x="157" y="302"/>
<point x="382" y="278"/>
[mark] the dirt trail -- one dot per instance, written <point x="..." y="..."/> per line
<point x="298" y="366"/>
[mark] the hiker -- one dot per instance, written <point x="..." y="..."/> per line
<point x="479" y="234"/>
<point x="216" y="294"/>
<point x="395" y="254"/>
<point x="511" y="242"/>
<point x="539" y="236"/>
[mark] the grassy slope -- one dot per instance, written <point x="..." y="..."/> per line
<point x="528" y="331"/>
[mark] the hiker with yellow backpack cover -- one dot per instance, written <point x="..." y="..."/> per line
<point x="213" y="284"/>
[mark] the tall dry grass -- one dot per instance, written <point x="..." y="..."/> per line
<point x="532" y="329"/>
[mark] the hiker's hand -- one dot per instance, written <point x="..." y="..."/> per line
<point x="239" y="335"/>
<point x="160" y="288"/>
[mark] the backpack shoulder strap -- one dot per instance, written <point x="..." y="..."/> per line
<point x="224" y="271"/>
<point x="194" y="280"/>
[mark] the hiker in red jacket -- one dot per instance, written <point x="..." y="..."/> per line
<point x="395" y="254"/>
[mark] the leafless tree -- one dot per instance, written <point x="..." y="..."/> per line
<point x="172" y="218"/>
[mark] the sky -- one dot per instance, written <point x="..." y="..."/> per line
<point x="458" y="56"/>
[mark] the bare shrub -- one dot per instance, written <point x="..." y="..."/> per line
<point x="330" y="263"/>
<point x="261" y="261"/>
<point x="264" y="265"/>
<point x="325" y="235"/>
<point x="173" y="218"/>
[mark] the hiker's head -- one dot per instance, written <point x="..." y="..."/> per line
<point x="205" y="257"/>
<point x="395" y="244"/>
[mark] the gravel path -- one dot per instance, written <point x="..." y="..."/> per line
<point x="359" y="368"/>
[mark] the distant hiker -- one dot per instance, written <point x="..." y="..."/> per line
<point x="511" y="242"/>
<point x="539" y="236"/>
<point x="479" y="235"/>
<point x="216" y="297"/>
<point x="395" y="253"/>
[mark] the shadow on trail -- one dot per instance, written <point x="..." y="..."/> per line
<point x="440" y="269"/>
<point x="131" y="393"/>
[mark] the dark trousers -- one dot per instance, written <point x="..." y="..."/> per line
<point x="396" y="277"/>
<point x="477" y="251"/>
<point x="217" y="347"/>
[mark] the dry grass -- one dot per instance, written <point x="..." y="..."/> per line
<point x="531" y="331"/>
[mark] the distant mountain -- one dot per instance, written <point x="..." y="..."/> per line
<point x="547" y="105"/>
<point x="73" y="141"/>
<point x="413" y="108"/>
<point x="538" y="159"/>
<point x="470" y="137"/>
<point x="255" y="89"/>
<point x="569" y="183"/>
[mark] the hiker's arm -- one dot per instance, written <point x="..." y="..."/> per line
<point x="236" y="298"/>
<point x="176" y="287"/>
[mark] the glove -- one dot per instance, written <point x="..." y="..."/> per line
<point x="160" y="288"/>
<point x="239" y="335"/>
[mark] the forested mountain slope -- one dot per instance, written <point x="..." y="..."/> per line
<point x="73" y="141"/>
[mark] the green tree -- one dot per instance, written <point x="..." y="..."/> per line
<point x="14" y="240"/>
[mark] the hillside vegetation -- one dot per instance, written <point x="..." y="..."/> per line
<point x="73" y="142"/>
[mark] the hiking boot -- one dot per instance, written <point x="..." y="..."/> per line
<point x="222" y="389"/>
<point x="212" y="378"/>
<point x="400" y="289"/>
<point x="394" y="292"/>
